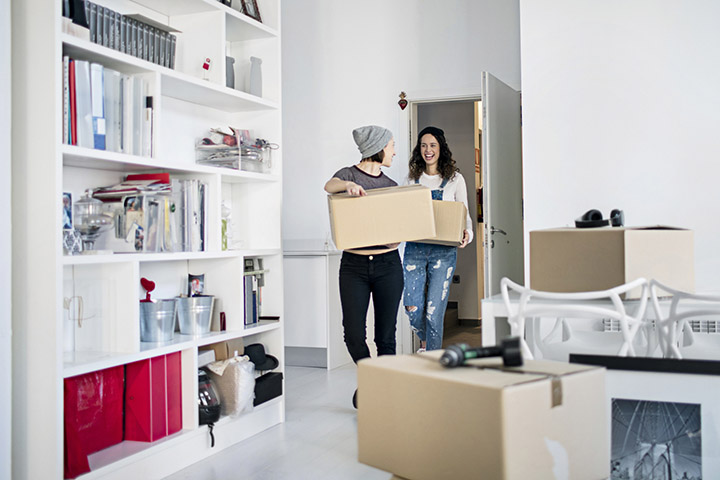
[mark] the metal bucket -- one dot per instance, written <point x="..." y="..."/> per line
<point x="157" y="320"/>
<point x="195" y="314"/>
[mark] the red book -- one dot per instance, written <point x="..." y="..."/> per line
<point x="73" y="111"/>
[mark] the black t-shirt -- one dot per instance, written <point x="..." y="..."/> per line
<point x="365" y="180"/>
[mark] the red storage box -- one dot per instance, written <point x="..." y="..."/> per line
<point x="153" y="407"/>
<point x="174" y="392"/>
<point x="93" y="405"/>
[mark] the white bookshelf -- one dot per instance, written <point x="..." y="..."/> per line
<point x="49" y="343"/>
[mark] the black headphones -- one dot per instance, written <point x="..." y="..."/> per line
<point x="593" y="218"/>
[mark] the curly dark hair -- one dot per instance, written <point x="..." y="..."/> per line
<point x="446" y="164"/>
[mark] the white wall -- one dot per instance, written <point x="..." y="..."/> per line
<point x="5" y="252"/>
<point x="621" y="109"/>
<point x="344" y="64"/>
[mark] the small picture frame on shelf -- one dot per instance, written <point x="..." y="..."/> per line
<point x="250" y="8"/>
<point x="67" y="211"/>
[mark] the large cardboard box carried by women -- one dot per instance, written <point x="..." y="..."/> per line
<point x="421" y="421"/>
<point x="383" y="216"/>
<point x="449" y="223"/>
<point x="591" y="259"/>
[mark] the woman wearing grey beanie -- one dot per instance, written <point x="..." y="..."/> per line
<point x="369" y="271"/>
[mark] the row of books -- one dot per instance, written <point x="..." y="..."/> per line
<point x="130" y="34"/>
<point x="152" y="222"/>
<point x="105" y="109"/>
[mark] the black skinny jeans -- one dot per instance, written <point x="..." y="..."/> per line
<point x="360" y="277"/>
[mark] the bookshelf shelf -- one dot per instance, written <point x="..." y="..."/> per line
<point x="139" y="458"/>
<point x="80" y="314"/>
<point x="88" y="158"/>
<point x="202" y="92"/>
<point x="78" y="363"/>
<point x="174" y="84"/>
<point x="240" y="27"/>
<point x="164" y="257"/>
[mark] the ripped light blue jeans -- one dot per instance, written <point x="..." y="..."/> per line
<point x="428" y="271"/>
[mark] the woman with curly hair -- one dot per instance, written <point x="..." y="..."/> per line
<point x="428" y="268"/>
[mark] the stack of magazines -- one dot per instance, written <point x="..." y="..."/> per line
<point x="135" y="185"/>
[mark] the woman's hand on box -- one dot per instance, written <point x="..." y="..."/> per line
<point x="355" y="190"/>
<point x="465" y="239"/>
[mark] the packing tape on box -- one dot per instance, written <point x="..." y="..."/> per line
<point x="556" y="391"/>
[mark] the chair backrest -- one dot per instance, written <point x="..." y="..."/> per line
<point x="601" y="305"/>
<point x="686" y="315"/>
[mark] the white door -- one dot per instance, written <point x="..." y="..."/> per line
<point x="502" y="185"/>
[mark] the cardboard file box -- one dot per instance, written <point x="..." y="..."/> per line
<point x="226" y="349"/>
<point x="450" y="218"/>
<point x="421" y="421"/>
<point x="383" y="216"/>
<point x="590" y="259"/>
<point x="173" y="369"/>
<point x="153" y="398"/>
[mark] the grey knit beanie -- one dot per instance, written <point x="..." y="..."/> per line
<point x="371" y="139"/>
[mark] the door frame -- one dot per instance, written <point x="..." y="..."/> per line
<point x="407" y="122"/>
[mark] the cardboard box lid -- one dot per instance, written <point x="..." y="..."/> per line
<point x="489" y="374"/>
<point x="379" y="191"/>
<point x="226" y="349"/>
<point x="610" y="229"/>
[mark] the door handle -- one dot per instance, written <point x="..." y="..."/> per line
<point x="497" y="230"/>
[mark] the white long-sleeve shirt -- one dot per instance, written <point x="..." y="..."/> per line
<point x="455" y="191"/>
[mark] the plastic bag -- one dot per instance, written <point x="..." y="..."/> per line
<point x="235" y="381"/>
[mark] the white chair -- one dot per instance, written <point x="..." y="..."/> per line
<point x="571" y="312"/>
<point x="690" y="326"/>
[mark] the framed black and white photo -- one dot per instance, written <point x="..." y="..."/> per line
<point x="664" y="416"/>
<point x="250" y="8"/>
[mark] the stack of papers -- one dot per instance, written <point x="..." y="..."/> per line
<point x="135" y="185"/>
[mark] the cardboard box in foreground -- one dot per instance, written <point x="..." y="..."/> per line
<point x="421" y="421"/>
<point x="590" y="259"/>
<point x="383" y="216"/>
<point x="450" y="220"/>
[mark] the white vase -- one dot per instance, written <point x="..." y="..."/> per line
<point x="256" y="76"/>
